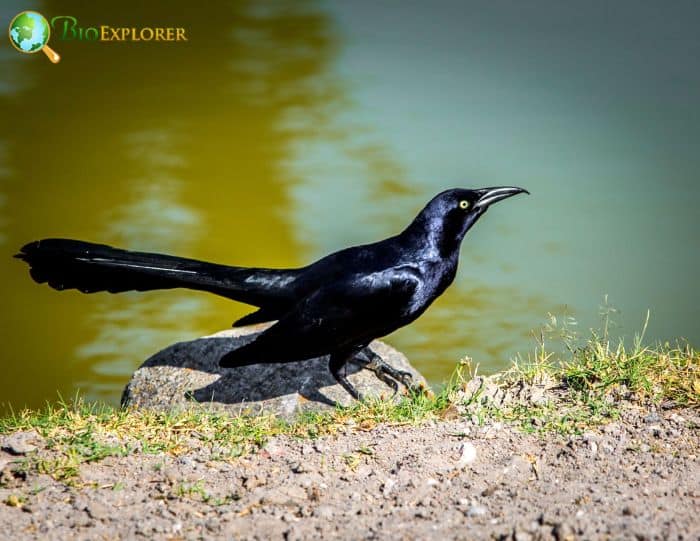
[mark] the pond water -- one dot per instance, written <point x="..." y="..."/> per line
<point x="282" y="131"/>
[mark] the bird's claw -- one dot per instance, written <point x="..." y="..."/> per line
<point x="391" y="376"/>
<point x="406" y="378"/>
<point x="386" y="378"/>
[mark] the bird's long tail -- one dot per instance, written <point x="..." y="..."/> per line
<point x="87" y="267"/>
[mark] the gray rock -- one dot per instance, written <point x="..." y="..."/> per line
<point x="187" y="375"/>
<point x="20" y="443"/>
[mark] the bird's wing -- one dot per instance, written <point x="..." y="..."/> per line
<point x="341" y="314"/>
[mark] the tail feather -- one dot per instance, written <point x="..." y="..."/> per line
<point x="88" y="267"/>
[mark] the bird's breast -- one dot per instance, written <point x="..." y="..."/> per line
<point x="436" y="278"/>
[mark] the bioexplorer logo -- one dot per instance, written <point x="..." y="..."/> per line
<point x="30" y="32"/>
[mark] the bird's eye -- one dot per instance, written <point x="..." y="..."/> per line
<point x="464" y="204"/>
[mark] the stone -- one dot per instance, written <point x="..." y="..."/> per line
<point x="675" y="418"/>
<point x="467" y="454"/>
<point x="563" y="531"/>
<point x="630" y="510"/>
<point x="325" y="512"/>
<point x="388" y="486"/>
<point x="476" y="511"/>
<point x="653" y="417"/>
<point x="20" y="443"/>
<point x="299" y="467"/>
<point x="187" y="375"/>
<point x="521" y="535"/>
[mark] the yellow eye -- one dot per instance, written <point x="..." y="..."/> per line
<point x="464" y="204"/>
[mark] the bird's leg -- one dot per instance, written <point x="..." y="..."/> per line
<point x="385" y="371"/>
<point x="335" y="364"/>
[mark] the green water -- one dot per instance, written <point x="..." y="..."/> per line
<point x="281" y="131"/>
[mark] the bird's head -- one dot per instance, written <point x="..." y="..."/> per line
<point x="450" y="214"/>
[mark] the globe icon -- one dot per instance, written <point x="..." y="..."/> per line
<point x="30" y="32"/>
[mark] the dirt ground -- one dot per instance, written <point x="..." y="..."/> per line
<point x="636" y="478"/>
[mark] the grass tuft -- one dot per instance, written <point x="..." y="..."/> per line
<point x="601" y="368"/>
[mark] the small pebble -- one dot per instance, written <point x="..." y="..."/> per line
<point x="324" y="511"/>
<point x="675" y="418"/>
<point x="630" y="510"/>
<point x="186" y="461"/>
<point x="306" y="450"/>
<point x="299" y="467"/>
<point x="563" y="532"/>
<point x="612" y="428"/>
<point x="655" y="430"/>
<point x="521" y="535"/>
<point x="468" y="454"/>
<point x="476" y="511"/>
<point x="653" y="417"/>
<point x="98" y="511"/>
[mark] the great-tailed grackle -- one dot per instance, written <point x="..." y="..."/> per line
<point x="335" y="306"/>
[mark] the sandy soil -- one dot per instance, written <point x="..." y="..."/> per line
<point x="637" y="478"/>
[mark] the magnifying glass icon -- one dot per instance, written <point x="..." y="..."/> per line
<point x="30" y="32"/>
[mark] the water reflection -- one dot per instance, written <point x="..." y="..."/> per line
<point x="167" y="148"/>
<point x="153" y="218"/>
<point x="4" y="177"/>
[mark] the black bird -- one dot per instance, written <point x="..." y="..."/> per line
<point x="335" y="306"/>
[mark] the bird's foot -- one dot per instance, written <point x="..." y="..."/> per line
<point x="391" y="382"/>
<point x="373" y="362"/>
<point x="405" y="377"/>
<point x="387" y="373"/>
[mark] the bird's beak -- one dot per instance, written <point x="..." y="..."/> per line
<point x="489" y="196"/>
